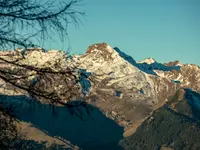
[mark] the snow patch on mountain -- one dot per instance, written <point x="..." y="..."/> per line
<point x="188" y="76"/>
<point x="148" y="61"/>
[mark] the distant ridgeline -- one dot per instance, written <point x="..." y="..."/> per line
<point x="153" y="105"/>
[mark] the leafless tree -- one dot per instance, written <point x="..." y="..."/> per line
<point x="24" y="23"/>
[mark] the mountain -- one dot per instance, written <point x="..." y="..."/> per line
<point x="125" y="91"/>
<point x="173" y="126"/>
<point x="165" y="130"/>
<point x="128" y="91"/>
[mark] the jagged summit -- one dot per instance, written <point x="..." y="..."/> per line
<point x="148" y="61"/>
<point x="102" y="52"/>
<point x="103" y="58"/>
<point x="104" y="47"/>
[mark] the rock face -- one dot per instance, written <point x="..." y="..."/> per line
<point x="126" y="91"/>
<point x="188" y="76"/>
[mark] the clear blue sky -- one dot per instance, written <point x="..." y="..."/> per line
<point x="163" y="29"/>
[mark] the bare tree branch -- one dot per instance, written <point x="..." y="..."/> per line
<point x="22" y="21"/>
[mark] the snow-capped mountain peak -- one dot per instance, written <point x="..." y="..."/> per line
<point x="104" y="47"/>
<point x="102" y="51"/>
<point x="148" y="61"/>
<point x="123" y="89"/>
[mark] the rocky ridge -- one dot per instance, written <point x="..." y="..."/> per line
<point x="126" y="91"/>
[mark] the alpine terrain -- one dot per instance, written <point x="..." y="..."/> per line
<point x="124" y="104"/>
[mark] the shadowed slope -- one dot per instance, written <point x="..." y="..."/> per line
<point x="95" y="131"/>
